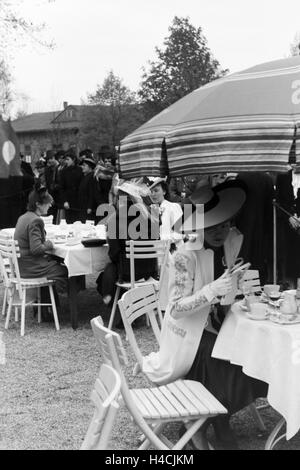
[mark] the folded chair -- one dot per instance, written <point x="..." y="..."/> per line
<point x="184" y="401"/>
<point x="138" y="302"/>
<point x="142" y="249"/>
<point x="105" y="398"/>
<point x="18" y="287"/>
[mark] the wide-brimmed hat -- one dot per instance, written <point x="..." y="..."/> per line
<point x="152" y="182"/>
<point x="133" y="189"/>
<point x="89" y="161"/>
<point x="212" y="206"/>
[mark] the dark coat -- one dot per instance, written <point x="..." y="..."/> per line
<point x="31" y="236"/>
<point x="85" y="195"/>
<point x="288" y="245"/>
<point x="69" y="180"/>
<point x="255" y="222"/>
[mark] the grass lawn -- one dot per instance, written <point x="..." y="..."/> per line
<point x="46" y="382"/>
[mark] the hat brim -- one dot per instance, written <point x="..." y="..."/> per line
<point x="230" y="202"/>
<point x="158" y="181"/>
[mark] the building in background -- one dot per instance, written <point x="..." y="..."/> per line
<point x="55" y="130"/>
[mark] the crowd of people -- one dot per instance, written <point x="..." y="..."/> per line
<point x="77" y="184"/>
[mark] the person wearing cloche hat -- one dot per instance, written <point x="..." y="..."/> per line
<point x="200" y="282"/>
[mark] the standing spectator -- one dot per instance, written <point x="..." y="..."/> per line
<point x="102" y="182"/>
<point x="39" y="171"/>
<point x="288" y="249"/>
<point x="25" y="166"/>
<point x="51" y="180"/>
<point x="69" y="179"/>
<point x="255" y="221"/>
<point x="85" y="193"/>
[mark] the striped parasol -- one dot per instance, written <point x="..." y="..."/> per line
<point x="246" y="121"/>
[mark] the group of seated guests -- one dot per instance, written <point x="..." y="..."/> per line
<point x="198" y="279"/>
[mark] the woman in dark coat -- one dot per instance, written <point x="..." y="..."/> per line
<point x="34" y="248"/>
<point x="85" y="192"/>
<point x="288" y="196"/>
<point x="119" y="268"/>
<point x="70" y="179"/>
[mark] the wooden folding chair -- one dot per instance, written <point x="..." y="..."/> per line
<point x="185" y="401"/>
<point x="143" y="301"/>
<point x="105" y="398"/>
<point x="18" y="287"/>
<point x="142" y="249"/>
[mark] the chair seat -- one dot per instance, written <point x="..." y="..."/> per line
<point x="36" y="282"/>
<point x="177" y="400"/>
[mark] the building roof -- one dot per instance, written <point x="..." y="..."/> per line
<point x="35" y="121"/>
<point x="44" y="121"/>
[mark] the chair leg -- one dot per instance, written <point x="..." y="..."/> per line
<point x="16" y="314"/>
<point x="4" y="301"/>
<point x="114" y="307"/>
<point x="257" y="418"/>
<point x="54" y="307"/>
<point x="39" y="305"/>
<point x="10" y="302"/>
<point x="23" y="312"/>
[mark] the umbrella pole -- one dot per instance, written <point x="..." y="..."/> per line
<point x="274" y="244"/>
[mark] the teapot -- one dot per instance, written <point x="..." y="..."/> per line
<point x="289" y="305"/>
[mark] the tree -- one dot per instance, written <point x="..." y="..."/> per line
<point x="6" y="96"/>
<point x="15" y="29"/>
<point x="184" y="64"/>
<point x="295" y="46"/>
<point x="110" y="114"/>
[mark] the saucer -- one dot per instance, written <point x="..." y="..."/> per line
<point x="261" y="316"/>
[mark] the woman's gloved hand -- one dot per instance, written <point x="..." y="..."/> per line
<point x="222" y="286"/>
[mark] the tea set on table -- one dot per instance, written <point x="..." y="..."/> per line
<point x="72" y="234"/>
<point x="274" y="305"/>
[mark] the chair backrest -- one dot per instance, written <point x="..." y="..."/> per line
<point x="251" y="280"/>
<point x="147" y="249"/>
<point x="104" y="396"/>
<point x="101" y="333"/>
<point x="113" y="353"/>
<point x="135" y="303"/>
<point x="9" y="254"/>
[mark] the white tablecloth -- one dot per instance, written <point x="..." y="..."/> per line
<point x="78" y="259"/>
<point x="269" y="352"/>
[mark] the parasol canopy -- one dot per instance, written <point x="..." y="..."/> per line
<point x="246" y="121"/>
<point x="10" y="164"/>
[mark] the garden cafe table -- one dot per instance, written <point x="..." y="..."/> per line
<point x="269" y="352"/>
<point x="79" y="260"/>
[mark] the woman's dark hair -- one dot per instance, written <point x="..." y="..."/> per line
<point x="165" y="187"/>
<point x="39" y="195"/>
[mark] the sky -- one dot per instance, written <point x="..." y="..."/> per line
<point x="95" y="36"/>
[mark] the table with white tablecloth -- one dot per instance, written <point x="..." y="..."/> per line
<point x="269" y="352"/>
<point x="79" y="260"/>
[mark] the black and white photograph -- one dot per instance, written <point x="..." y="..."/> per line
<point x="149" y="227"/>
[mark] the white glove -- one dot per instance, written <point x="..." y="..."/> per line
<point x="222" y="286"/>
<point x="294" y="223"/>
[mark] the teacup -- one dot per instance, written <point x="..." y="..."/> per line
<point x="271" y="288"/>
<point x="258" y="310"/>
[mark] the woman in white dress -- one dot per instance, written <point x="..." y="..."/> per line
<point x="169" y="212"/>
